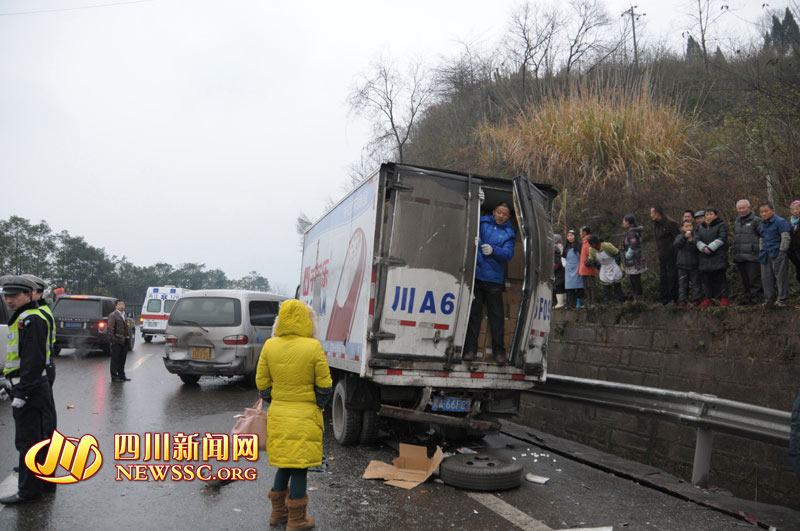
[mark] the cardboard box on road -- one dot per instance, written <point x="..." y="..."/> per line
<point x="410" y="469"/>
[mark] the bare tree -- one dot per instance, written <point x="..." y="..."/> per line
<point x="704" y="15"/>
<point x="585" y="32"/>
<point x="531" y="42"/>
<point x="393" y="101"/>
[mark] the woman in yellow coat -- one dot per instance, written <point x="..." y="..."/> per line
<point x="293" y="374"/>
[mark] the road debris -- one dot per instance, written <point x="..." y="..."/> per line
<point x="539" y="480"/>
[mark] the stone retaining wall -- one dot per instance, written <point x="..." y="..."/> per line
<point x="743" y="354"/>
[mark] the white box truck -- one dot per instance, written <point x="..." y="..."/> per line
<point x="390" y="272"/>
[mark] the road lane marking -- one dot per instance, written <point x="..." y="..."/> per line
<point x="509" y="512"/>
<point x="8" y="487"/>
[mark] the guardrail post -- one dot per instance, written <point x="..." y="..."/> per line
<point x="702" y="457"/>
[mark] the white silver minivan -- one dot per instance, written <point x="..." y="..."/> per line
<point x="218" y="332"/>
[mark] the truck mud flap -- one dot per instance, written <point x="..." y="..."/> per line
<point x="443" y="420"/>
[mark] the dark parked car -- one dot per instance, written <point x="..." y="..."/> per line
<point x="81" y="322"/>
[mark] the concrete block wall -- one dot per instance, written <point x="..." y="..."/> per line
<point x="744" y="354"/>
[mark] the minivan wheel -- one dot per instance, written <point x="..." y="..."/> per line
<point x="131" y="341"/>
<point x="189" y="378"/>
<point x="147" y="339"/>
<point x="346" y="422"/>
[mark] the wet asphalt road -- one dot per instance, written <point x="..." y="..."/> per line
<point x="156" y="401"/>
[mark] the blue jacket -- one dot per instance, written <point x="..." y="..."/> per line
<point x="501" y="238"/>
<point x="771" y="231"/>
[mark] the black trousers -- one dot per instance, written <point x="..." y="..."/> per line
<point x="119" y="353"/>
<point x="636" y="285"/>
<point x="689" y="287"/>
<point x="572" y="297"/>
<point x="668" y="280"/>
<point x="617" y="292"/>
<point x="716" y="284"/>
<point x="33" y="423"/>
<point x="796" y="261"/>
<point x="750" y="273"/>
<point x="491" y="294"/>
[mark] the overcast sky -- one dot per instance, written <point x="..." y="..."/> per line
<point x="197" y="130"/>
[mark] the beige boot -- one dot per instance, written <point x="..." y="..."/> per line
<point x="561" y="300"/>
<point x="298" y="521"/>
<point x="280" y="513"/>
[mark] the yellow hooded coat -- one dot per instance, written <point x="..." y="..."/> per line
<point x="292" y="363"/>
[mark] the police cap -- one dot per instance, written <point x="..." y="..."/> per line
<point x="41" y="285"/>
<point x="12" y="284"/>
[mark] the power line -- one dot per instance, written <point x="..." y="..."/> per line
<point x="72" y="8"/>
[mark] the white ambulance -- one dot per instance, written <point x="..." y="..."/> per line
<point x="157" y="305"/>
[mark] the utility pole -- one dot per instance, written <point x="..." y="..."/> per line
<point x="634" y="18"/>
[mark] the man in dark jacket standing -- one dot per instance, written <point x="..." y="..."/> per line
<point x="745" y="252"/>
<point x="664" y="232"/>
<point x="495" y="249"/>
<point x="118" y="337"/>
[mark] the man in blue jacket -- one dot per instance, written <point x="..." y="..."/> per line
<point x="495" y="249"/>
<point x="775" y="242"/>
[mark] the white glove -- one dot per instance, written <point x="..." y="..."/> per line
<point x="486" y="249"/>
<point x="17" y="402"/>
<point x="4" y="394"/>
<point x="481" y="195"/>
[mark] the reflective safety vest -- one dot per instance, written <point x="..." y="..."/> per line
<point x="51" y="325"/>
<point x="12" y="356"/>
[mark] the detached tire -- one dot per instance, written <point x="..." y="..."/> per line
<point x="480" y="472"/>
<point x="346" y="422"/>
<point x="189" y="378"/>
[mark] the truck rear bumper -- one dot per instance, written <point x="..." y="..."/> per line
<point x="434" y="418"/>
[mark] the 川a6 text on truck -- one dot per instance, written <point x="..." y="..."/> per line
<point x="390" y="272"/>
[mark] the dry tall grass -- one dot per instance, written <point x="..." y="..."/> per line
<point x="594" y="136"/>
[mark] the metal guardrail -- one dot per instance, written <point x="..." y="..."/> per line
<point x="707" y="413"/>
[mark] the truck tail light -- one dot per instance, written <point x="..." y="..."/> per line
<point x="170" y="338"/>
<point x="235" y="340"/>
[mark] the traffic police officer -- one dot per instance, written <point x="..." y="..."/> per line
<point x="26" y="381"/>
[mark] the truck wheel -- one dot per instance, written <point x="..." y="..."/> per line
<point x="480" y="472"/>
<point x="369" y="427"/>
<point x="189" y="378"/>
<point x="346" y="422"/>
<point x="147" y="339"/>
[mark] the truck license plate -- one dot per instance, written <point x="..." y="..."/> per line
<point x="201" y="353"/>
<point x="446" y="403"/>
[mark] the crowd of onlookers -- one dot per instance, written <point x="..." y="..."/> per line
<point x="693" y="257"/>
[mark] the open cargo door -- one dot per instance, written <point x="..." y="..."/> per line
<point x="532" y="206"/>
<point x="427" y="267"/>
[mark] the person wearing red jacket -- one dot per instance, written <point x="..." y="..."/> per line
<point x="585" y="270"/>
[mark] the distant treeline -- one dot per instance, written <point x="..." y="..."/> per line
<point x="68" y="261"/>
